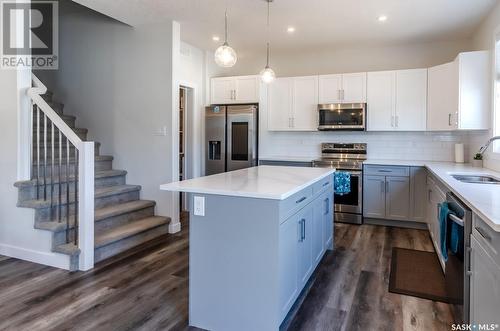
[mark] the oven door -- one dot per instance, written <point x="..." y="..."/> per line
<point x="351" y="202"/>
<point x="342" y="117"/>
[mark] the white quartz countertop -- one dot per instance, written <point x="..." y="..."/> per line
<point x="264" y="182"/>
<point x="482" y="199"/>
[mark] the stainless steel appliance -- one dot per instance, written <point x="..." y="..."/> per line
<point x="342" y="116"/>
<point x="230" y="138"/>
<point x="457" y="268"/>
<point x="346" y="157"/>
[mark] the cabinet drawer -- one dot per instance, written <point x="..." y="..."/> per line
<point x="387" y="170"/>
<point x="487" y="237"/>
<point x="294" y="203"/>
<point x="323" y="184"/>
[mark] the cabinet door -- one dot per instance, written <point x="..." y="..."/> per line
<point x="485" y="289"/>
<point x="354" y="88"/>
<point x="330" y="87"/>
<point x="442" y="95"/>
<point x="305" y="103"/>
<point x="318" y="244"/>
<point x="304" y="225"/>
<point x="374" y="196"/>
<point x="397" y="198"/>
<point x="418" y="194"/>
<point x="411" y="100"/>
<point x="280" y="104"/>
<point x="288" y="264"/>
<point x="247" y="89"/>
<point x="381" y="101"/>
<point x="328" y="215"/>
<point x="222" y="90"/>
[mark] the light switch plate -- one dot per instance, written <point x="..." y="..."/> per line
<point x="199" y="206"/>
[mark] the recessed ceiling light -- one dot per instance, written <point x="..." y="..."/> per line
<point x="290" y="29"/>
<point x="215" y="38"/>
<point x="382" y="18"/>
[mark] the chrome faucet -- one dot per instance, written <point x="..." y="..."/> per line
<point x="485" y="147"/>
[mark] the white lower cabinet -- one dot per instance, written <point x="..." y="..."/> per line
<point x="484" y="287"/>
<point x="435" y="196"/>
<point x="303" y="239"/>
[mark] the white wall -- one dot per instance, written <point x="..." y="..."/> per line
<point x="484" y="40"/>
<point x="119" y="82"/>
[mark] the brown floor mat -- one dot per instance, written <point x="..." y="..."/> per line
<point x="418" y="274"/>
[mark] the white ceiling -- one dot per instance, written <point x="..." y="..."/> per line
<point x="319" y="23"/>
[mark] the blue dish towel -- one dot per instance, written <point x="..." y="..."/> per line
<point x="342" y="182"/>
<point x="456" y="238"/>
<point x="444" y="211"/>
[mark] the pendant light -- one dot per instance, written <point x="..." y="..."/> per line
<point x="267" y="74"/>
<point x="225" y="56"/>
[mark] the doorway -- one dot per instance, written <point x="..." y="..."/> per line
<point x="186" y="104"/>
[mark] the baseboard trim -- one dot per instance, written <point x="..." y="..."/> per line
<point x="398" y="224"/>
<point x="174" y="227"/>
<point x="56" y="260"/>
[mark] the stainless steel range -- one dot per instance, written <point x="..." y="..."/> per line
<point x="346" y="157"/>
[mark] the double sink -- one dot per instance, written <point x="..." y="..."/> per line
<point x="476" y="179"/>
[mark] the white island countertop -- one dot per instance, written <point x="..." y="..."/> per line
<point x="263" y="182"/>
<point x="482" y="199"/>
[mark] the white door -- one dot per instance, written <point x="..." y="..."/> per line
<point x="318" y="245"/>
<point x="288" y="264"/>
<point x="280" y="105"/>
<point x="397" y="198"/>
<point x="374" y="196"/>
<point x="411" y="100"/>
<point x="330" y="87"/>
<point x="354" y="88"/>
<point x="305" y="103"/>
<point x="484" y="288"/>
<point x="247" y="89"/>
<point x="222" y="90"/>
<point x="381" y="101"/>
<point x="442" y="96"/>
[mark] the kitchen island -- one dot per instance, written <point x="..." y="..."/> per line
<point x="256" y="236"/>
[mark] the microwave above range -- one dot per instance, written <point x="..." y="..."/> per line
<point x="342" y="116"/>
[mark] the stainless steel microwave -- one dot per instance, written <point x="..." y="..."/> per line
<point x="342" y="116"/>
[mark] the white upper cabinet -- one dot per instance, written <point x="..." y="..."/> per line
<point x="305" y="103"/>
<point x="279" y="104"/>
<point x="397" y="100"/>
<point x="346" y="88"/>
<point x="381" y="100"/>
<point x="458" y="93"/>
<point x="411" y="100"/>
<point x="292" y="104"/>
<point x="231" y="90"/>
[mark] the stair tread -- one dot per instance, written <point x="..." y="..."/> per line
<point x="128" y="230"/>
<point x="68" y="249"/>
<point x="97" y="174"/>
<point x="99" y="214"/>
<point x="100" y="192"/>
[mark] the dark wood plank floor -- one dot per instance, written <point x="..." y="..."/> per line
<point x="147" y="289"/>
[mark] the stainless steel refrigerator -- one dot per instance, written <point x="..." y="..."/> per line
<point x="230" y="138"/>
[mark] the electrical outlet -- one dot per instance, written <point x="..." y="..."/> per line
<point x="199" y="206"/>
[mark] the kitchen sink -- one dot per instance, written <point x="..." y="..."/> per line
<point x="477" y="179"/>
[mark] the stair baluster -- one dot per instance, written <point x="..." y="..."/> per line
<point x="76" y="197"/>
<point x="67" y="191"/>
<point x="44" y="157"/>
<point x="52" y="170"/>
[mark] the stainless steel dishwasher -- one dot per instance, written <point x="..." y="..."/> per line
<point x="457" y="267"/>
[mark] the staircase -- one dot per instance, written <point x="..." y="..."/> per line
<point x="121" y="219"/>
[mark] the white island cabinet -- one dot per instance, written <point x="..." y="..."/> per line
<point x="256" y="236"/>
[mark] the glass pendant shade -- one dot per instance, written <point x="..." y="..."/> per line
<point x="267" y="75"/>
<point x="225" y="56"/>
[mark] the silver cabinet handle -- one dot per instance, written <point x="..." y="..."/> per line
<point x="384" y="171"/>
<point x="300" y="200"/>
<point x="342" y="94"/>
<point x="338" y="95"/>
<point x="429" y="194"/>
<point x="469" y="267"/>
<point x="386" y="187"/>
<point x="397" y="121"/>
<point x="438" y="209"/>
<point x="483" y="234"/>
<point x="304" y="232"/>
<point x="302" y="224"/>
<point x="382" y="186"/>
<point x="326" y="184"/>
<point x="456" y="118"/>
<point x="449" y="119"/>
<point x="327" y="206"/>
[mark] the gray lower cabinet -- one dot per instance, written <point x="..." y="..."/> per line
<point x="397" y="198"/>
<point x="305" y="243"/>
<point x="374" y="196"/>
<point x="418" y="194"/>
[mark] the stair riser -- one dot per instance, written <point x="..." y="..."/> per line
<point x="29" y="192"/>
<point x="99" y="165"/>
<point x="118" y="220"/>
<point x="59" y="238"/>
<point x="70" y="121"/>
<point x="110" y="250"/>
<point x="97" y="148"/>
<point x="44" y="214"/>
